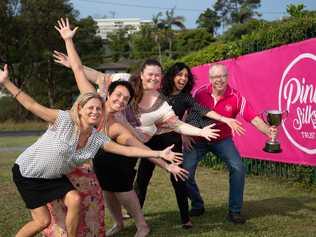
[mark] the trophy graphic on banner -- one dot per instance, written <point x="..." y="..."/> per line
<point x="274" y="118"/>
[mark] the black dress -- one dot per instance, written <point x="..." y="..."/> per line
<point x="115" y="173"/>
<point x="180" y="103"/>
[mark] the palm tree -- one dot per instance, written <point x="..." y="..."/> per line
<point x="157" y="27"/>
<point x="165" y="25"/>
<point x="172" y="20"/>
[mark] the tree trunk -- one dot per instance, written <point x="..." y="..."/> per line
<point x="51" y="84"/>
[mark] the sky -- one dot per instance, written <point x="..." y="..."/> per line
<point x="190" y="9"/>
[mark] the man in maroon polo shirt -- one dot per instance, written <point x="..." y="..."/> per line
<point x="226" y="101"/>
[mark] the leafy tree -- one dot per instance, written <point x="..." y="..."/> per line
<point x="142" y="43"/>
<point x="236" y="31"/>
<point x="236" y="11"/>
<point x="209" y="20"/>
<point x="38" y="18"/>
<point x="191" y="40"/>
<point x="118" y="44"/>
<point x="89" y="45"/>
<point x="296" y="10"/>
<point x="27" y="42"/>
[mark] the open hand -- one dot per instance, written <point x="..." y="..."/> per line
<point x="4" y="74"/>
<point x="64" y="29"/>
<point x="61" y="58"/>
<point x="208" y="132"/>
<point x="173" y="157"/>
<point x="234" y="125"/>
<point x="178" y="172"/>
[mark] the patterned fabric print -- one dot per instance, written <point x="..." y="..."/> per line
<point x="55" y="153"/>
<point x="92" y="206"/>
<point x="183" y="102"/>
<point x="149" y="120"/>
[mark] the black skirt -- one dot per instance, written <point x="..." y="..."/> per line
<point x="115" y="173"/>
<point x="37" y="192"/>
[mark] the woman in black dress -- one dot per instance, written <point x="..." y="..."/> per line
<point x="176" y="87"/>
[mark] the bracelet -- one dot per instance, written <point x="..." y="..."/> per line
<point x="17" y="93"/>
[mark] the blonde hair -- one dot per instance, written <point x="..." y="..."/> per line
<point x="79" y="103"/>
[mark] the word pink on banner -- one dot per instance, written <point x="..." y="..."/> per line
<point x="282" y="78"/>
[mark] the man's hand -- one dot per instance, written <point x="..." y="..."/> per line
<point x="234" y="125"/>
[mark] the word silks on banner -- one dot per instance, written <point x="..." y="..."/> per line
<point x="282" y="78"/>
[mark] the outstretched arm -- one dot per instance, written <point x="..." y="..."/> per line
<point x="92" y="75"/>
<point x="234" y="124"/>
<point x="137" y="152"/>
<point x="123" y="136"/>
<point x="67" y="34"/>
<point x="269" y="131"/>
<point x="28" y="102"/>
<point x="207" y="132"/>
<point x="128" y="139"/>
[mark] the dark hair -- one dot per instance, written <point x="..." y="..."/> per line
<point x="168" y="81"/>
<point x="126" y="84"/>
<point x="137" y="82"/>
<point x="150" y="62"/>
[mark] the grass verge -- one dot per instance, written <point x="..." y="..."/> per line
<point x="273" y="207"/>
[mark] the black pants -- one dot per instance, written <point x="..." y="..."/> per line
<point x="146" y="169"/>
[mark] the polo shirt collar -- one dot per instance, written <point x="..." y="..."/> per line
<point x="227" y="93"/>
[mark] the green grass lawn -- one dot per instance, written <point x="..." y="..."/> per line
<point x="273" y="207"/>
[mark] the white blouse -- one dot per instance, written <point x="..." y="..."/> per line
<point x="55" y="153"/>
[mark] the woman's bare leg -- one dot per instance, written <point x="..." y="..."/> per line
<point x="72" y="202"/>
<point x="41" y="220"/>
<point x="131" y="203"/>
<point x="114" y="206"/>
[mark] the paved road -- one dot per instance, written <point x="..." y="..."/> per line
<point x="12" y="149"/>
<point x="17" y="134"/>
<point x="20" y="133"/>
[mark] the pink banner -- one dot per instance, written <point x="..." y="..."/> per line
<point x="282" y="78"/>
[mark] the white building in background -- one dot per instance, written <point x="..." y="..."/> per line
<point x="107" y="25"/>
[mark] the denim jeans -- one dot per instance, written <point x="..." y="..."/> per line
<point x="226" y="151"/>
